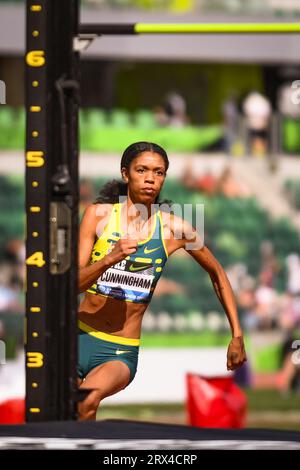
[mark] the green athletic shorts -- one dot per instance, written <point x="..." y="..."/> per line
<point x="93" y="351"/>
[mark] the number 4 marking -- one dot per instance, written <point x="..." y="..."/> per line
<point x="36" y="259"/>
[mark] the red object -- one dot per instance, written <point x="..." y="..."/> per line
<point x="207" y="183"/>
<point x="12" y="411"/>
<point x="215" y="402"/>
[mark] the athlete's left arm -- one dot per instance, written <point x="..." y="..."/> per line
<point x="192" y="243"/>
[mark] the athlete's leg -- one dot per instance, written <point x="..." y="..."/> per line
<point x="106" y="379"/>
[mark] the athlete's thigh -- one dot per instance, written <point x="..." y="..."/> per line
<point x="108" y="378"/>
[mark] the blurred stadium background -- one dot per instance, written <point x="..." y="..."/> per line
<point x="190" y="96"/>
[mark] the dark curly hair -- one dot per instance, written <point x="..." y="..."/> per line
<point x="112" y="190"/>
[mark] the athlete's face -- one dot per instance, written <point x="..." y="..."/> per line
<point x="146" y="176"/>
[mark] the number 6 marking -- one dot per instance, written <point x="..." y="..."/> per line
<point x="35" y="58"/>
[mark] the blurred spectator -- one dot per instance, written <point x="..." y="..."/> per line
<point x="257" y="110"/>
<point x="10" y="299"/>
<point x="175" y="109"/>
<point x="160" y="116"/>
<point x="86" y="195"/>
<point x="237" y="273"/>
<point x="208" y="183"/>
<point x="247" y="302"/>
<point x="205" y="183"/>
<point x="293" y="282"/>
<point x="266" y="303"/>
<point x="14" y="261"/>
<point x="269" y="263"/>
<point x="261" y="306"/>
<point x="231" y="121"/>
<point x="14" y="251"/>
<point x="246" y="294"/>
<point x="290" y="313"/>
<point x="229" y="186"/>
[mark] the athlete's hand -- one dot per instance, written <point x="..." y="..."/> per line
<point x="125" y="246"/>
<point x="236" y="354"/>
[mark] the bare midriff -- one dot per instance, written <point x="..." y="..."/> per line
<point x="112" y="316"/>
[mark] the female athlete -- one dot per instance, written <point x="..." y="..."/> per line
<point x="125" y="241"/>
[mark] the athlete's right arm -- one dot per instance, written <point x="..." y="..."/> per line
<point x="88" y="274"/>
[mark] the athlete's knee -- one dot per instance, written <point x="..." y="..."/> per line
<point x="87" y="409"/>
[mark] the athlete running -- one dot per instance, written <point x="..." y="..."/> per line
<point x="125" y="241"/>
